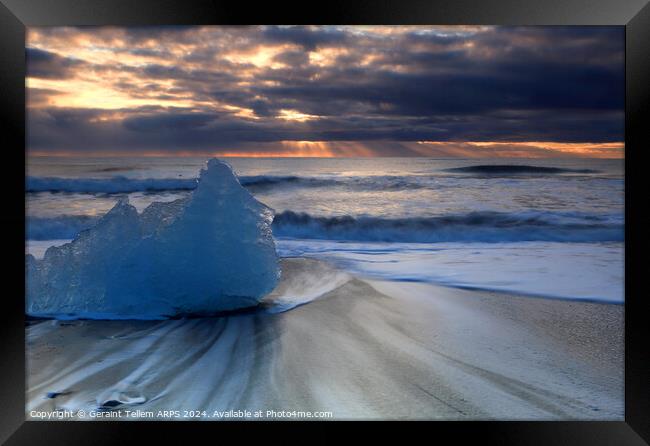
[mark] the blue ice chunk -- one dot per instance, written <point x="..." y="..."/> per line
<point x="210" y="252"/>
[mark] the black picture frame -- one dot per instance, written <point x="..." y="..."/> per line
<point x="16" y="15"/>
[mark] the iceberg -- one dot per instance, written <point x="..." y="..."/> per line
<point x="210" y="252"/>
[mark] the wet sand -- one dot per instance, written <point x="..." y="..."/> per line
<point x="362" y="350"/>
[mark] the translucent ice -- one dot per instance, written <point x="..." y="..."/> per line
<point x="211" y="252"/>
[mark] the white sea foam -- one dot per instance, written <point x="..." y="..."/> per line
<point x="304" y="280"/>
<point x="580" y="271"/>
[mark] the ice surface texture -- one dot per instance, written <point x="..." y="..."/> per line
<point x="211" y="252"/>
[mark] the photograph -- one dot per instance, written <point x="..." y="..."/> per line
<point x="325" y="222"/>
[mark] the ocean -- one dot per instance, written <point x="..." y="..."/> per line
<point x="539" y="227"/>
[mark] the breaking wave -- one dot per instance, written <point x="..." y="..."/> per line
<point x="470" y="227"/>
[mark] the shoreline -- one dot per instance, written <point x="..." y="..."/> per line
<point x="364" y="349"/>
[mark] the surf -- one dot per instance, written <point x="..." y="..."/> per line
<point x="469" y="227"/>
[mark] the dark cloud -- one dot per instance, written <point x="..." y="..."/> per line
<point x="168" y="122"/>
<point x="293" y="58"/>
<point x="43" y="64"/>
<point x="40" y="97"/>
<point x="306" y="37"/>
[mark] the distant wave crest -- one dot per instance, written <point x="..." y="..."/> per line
<point x="120" y="184"/>
<point x="61" y="227"/>
<point x="257" y="183"/>
<point x="516" y="169"/>
<point x="264" y="181"/>
<point x="107" y="185"/>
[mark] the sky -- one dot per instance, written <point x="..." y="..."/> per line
<point x="327" y="91"/>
